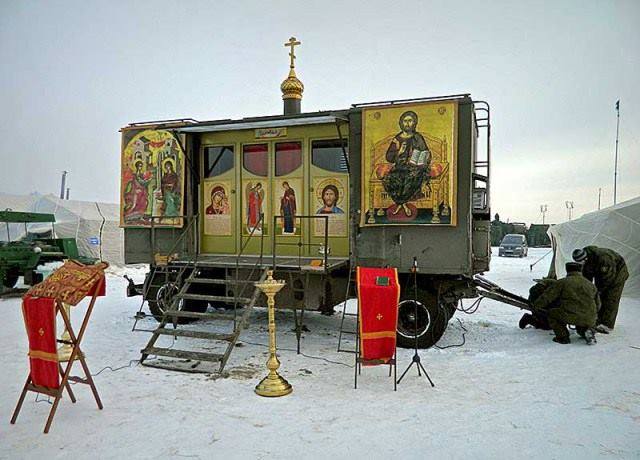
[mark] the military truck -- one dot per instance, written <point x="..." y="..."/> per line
<point x="22" y="256"/>
<point x="211" y="205"/>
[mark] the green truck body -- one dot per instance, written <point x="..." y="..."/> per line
<point x="22" y="257"/>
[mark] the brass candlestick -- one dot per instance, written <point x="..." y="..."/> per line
<point x="273" y="384"/>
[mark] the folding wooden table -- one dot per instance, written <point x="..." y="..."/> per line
<point x="97" y="288"/>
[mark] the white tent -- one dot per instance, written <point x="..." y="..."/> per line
<point x="95" y="226"/>
<point x="15" y="203"/>
<point x="616" y="227"/>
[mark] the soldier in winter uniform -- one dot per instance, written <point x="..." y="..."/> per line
<point x="571" y="300"/>
<point x="609" y="271"/>
<point x="537" y="319"/>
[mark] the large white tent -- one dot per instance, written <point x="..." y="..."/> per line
<point x="15" y="203"/>
<point x="616" y="227"/>
<point x="95" y="226"/>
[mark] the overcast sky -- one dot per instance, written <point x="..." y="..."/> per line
<point x="73" y="73"/>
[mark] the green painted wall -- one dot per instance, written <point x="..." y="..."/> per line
<point x="307" y="203"/>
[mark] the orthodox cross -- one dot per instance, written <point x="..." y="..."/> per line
<point x="292" y="43"/>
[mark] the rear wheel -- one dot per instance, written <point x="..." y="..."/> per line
<point x="164" y="298"/>
<point x="425" y="319"/>
<point x="10" y="279"/>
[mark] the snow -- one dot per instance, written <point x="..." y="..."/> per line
<point x="506" y="393"/>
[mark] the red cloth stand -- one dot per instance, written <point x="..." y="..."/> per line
<point x="40" y="321"/>
<point x="40" y="316"/>
<point x="378" y="298"/>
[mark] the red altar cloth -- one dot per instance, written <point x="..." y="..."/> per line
<point x="378" y="298"/>
<point x="72" y="282"/>
<point x="40" y="321"/>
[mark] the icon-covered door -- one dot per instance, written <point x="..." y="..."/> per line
<point x="218" y="200"/>
<point x="330" y="195"/>
<point x="255" y="223"/>
<point x="288" y="199"/>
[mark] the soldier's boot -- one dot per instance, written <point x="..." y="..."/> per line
<point x="526" y="320"/>
<point x="602" y="329"/>
<point x="559" y="327"/>
<point x="590" y="336"/>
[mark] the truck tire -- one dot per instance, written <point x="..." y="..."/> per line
<point x="432" y="320"/>
<point x="10" y="279"/>
<point x="164" y="297"/>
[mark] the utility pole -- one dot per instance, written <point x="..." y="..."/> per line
<point x="63" y="184"/>
<point x="543" y="210"/>
<point x="569" y="205"/>
<point x="599" y="196"/>
<point x="67" y="197"/>
<point x="615" y="167"/>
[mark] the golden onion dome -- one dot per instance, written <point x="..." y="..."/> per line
<point x="291" y="87"/>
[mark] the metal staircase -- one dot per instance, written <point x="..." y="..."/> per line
<point x="223" y="328"/>
<point x="227" y="327"/>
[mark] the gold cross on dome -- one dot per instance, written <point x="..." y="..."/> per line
<point x="292" y="43"/>
<point x="379" y="316"/>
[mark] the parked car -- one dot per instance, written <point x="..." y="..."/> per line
<point x="513" y="245"/>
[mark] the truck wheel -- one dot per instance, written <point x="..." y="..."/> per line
<point x="164" y="297"/>
<point x="431" y="321"/>
<point x="10" y="279"/>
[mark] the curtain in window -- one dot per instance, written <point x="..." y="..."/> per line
<point x="255" y="159"/>
<point x="288" y="157"/>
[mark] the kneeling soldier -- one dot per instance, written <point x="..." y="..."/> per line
<point x="609" y="271"/>
<point x="571" y="300"/>
<point x="537" y="319"/>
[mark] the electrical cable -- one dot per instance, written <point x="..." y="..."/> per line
<point x="471" y="309"/>
<point x="303" y="354"/>
<point x="112" y="369"/>
<point x="117" y="368"/>
<point x="48" y="400"/>
<point x="464" y="331"/>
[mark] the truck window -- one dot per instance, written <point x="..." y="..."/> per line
<point x="255" y="159"/>
<point x="217" y="160"/>
<point x="327" y="154"/>
<point x="288" y="157"/>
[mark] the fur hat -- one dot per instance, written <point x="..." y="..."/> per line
<point x="579" y="255"/>
<point x="573" y="267"/>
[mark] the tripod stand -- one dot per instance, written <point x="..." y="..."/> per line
<point x="416" y="357"/>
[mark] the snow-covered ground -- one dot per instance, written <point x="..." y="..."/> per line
<point x="506" y="393"/>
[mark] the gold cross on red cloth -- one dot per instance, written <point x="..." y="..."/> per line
<point x="379" y="317"/>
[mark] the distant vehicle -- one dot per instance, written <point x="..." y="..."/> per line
<point x="513" y="245"/>
<point x="22" y="257"/>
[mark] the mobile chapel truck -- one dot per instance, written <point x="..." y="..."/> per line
<point x="211" y="205"/>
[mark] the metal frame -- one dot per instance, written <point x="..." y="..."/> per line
<point x="483" y="109"/>
<point x="190" y="221"/>
<point x="412" y="101"/>
<point x="300" y="243"/>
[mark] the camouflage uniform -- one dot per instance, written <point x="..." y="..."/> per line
<point x="571" y="300"/>
<point x="609" y="271"/>
<point x="538" y="318"/>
